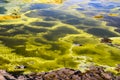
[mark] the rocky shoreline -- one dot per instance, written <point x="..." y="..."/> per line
<point x="94" y="73"/>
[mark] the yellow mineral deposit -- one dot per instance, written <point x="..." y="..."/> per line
<point x="113" y="14"/>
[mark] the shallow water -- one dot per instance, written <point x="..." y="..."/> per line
<point x="49" y="35"/>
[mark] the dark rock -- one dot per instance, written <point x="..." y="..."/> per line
<point x="21" y="67"/>
<point x="94" y="73"/>
<point x="6" y="76"/>
<point x="106" y="40"/>
<point x="118" y="68"/>
<point x="77" y="72"/>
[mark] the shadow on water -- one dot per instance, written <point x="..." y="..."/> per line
<point x="59" y="32"/>
<point x="2" y="10"/>
<point x="117" y="30"/>
<point x="44" y="24"/>
<point x="54" y="14"/>
<point x="12" y="42"/>
<point x="39" y="6"/>
<point x="36" y="6"/>
<point x="101" y="32"/>
<point x="4" y="1"/>
<point x="35" y="30"/>
<point x="12" y="30"/>
<point x="73" y="21"/>
<point x="113" y="21"/>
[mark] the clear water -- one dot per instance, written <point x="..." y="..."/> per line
<point x="45" y="36"/>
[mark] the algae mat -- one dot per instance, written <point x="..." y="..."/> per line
<point x="41" y="35"/>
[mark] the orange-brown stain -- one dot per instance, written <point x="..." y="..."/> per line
<point x="58" y="1"/>
<point x="99" y="16"/>
<point x="45" y="1"/>
<point x="9" y="17"/>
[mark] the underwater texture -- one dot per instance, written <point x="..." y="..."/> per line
<point x="44" y="35"/>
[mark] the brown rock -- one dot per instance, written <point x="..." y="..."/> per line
<point x="2" y="77"/>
